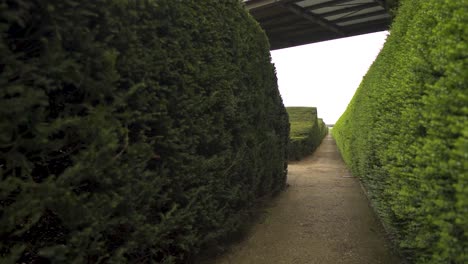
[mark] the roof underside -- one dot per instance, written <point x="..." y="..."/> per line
<point x="291" y="23"/>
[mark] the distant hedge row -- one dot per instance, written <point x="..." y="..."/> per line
<point x="132" y="131"/>
<point x="405" y="132"/>
<point x="307" y="131"/>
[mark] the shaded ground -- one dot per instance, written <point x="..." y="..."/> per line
<point x="323" y="218"/>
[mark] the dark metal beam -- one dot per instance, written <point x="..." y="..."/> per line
<point x="328" y="4"/>
<point x="314" y="18"/>
<point x="257" y="4"/>
<point x="291" y="39"/>
<point x="267" y="13"/>
<point x="299" y="33"/>
<point x="298" y="25"/>
<point x="366" y="15"/>
<point x="296" y="29"/>
<point x="288" y="24"/>
<point x="279" y="20"/>
<point x="286" y="41"/>
<point x="382" y="3"/>
<point x="281" y="41"/>
<point x="364" y="27"/>
<point x="349" y="9"/>
<point x="306" y="32"/>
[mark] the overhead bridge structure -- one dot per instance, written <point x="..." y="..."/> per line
<point x="291" y="23"/>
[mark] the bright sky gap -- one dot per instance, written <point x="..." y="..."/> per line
<point x="326" y="74"/>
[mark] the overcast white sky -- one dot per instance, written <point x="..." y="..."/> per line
<point x="325" y="74"/>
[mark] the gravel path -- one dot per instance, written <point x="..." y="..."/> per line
<point x="323" y="218"/>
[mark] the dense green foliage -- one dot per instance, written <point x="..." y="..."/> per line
<point x="132" y="131"/>
<point x="405" y="132"/>
<point x="307" y="131"/>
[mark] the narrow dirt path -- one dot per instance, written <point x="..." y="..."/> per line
<point x="323" y="218"/>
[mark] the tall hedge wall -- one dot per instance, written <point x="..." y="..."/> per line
<point x="132" y="131"/>
<point x="307" y="131"/>
<point x="405" y="132"/>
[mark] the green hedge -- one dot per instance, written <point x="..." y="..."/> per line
<point x="405" y="132"/>
<point x="132" y="131"/>
<point x="307" y="131"/>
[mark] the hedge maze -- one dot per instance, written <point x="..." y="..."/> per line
<point x="306" y="132"/>
<point x="405" y="132"/>
<point x="133" y="131"/>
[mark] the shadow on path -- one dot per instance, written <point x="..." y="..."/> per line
<point x="322" y="218"/>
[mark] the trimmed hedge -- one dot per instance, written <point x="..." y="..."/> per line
<point x="307" y="131"/>
<point x="405" y="132"/>
<point x="133" y="131"/>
